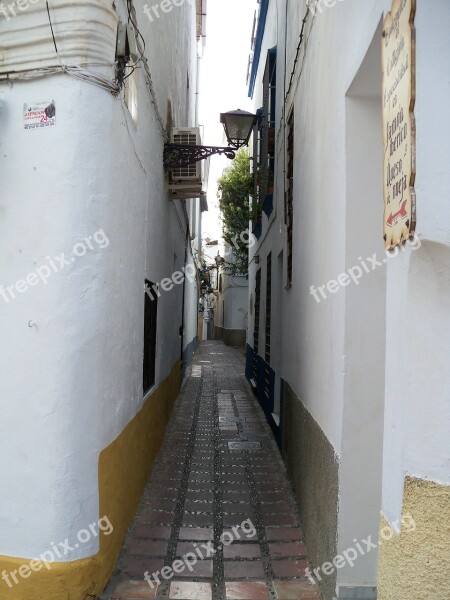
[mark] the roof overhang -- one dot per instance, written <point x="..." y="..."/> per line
<point x="261" y="27"/>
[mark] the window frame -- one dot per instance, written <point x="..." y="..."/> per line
<point x="150" y="336"/>
<point x="289" y="203"/>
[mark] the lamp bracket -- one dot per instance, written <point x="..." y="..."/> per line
<point x="177" y="156"/>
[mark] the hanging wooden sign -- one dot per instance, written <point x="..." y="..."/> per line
<point x="399" y="130"/>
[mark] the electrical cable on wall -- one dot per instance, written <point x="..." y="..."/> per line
<point x="297" y="54"/>
<point x="77" y="71"/>
<point x="282" y="127"/>
<point x="122" y="64"/>
<point x="81" y="73"/>
<point x="131" y="11"/>
<point x="140" y="42"/>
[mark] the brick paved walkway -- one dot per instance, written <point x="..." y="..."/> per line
<point x="218" y="511"/>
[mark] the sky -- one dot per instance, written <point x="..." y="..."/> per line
<point x="223" y="85"/>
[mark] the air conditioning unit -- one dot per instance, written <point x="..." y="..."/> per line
<point x="186" y="182"/>
<point x="187" y="193"/>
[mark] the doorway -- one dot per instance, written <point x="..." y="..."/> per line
<point x="365" y="327"/>
<point x="278" y="341"/>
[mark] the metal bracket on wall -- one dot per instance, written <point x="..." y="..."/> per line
<point x="126" y="46"/>
<point x="177" y="156"/>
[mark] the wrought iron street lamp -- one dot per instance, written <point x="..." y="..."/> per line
<point x="238" y="125"/>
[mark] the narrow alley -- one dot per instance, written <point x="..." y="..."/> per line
<point x="218" y="512"/>
<point x="224" y="300"/>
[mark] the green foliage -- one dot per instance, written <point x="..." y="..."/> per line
<point x="234" y="191"/>
<point x="204" y="275"/>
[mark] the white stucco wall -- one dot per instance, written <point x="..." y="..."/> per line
<point x="231" y="296"/>
<point x="71" y="358"/>
<point x="235" y="296"/>
<point x="320" y="356"/>
<point x="417" y="377"/>
<point x="322" y="352"/>
<point x="320" y="196"/>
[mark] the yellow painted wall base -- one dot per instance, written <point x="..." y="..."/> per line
<point x="123" y="470"/>
<point x="415" y="564"/>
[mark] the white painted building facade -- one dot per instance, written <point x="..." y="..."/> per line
<point x="230" y="316"/>
<point x="354" y="378"/>
<point x="78" y="431"/>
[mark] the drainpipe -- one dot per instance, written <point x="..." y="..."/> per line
<point x="186" y="242"/>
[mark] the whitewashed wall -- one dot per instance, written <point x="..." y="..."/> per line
<point x="318" y="341"/>
<point x="417" y="378"/>
<point x="232" y="303"/>
<point x="71" y="353"/>
<point x="236" y="298"/>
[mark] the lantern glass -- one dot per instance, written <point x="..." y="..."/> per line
<point x="238" y="125"/>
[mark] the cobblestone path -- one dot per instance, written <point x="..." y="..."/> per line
<point x="217" y="520"/>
